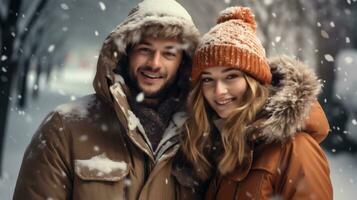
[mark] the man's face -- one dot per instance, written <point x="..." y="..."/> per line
<point x="153" y="64"/>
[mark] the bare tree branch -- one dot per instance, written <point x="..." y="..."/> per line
<point x="40" y="6"/>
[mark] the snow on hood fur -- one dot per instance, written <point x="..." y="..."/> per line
<point x="157" y="18"/>
<point x="294" y="89"/>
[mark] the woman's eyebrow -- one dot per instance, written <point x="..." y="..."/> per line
<point x="229" y="69"/>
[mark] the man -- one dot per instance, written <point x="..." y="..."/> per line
<point x="119" y="142"/>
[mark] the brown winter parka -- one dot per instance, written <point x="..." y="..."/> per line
<point x="95" y="148"/>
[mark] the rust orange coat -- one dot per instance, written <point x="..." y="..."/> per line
<point x="289" y="163"/>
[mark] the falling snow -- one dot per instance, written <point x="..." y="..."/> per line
<point x="268" y="2"/>
<point x="51" y="48"/>
<point x="83" y="138"/>
<point x="227" y="1"/>
<point x="140" y="97"/>
<point x="3" y="58"/>
<point x="348" y="60"/>
<point x="96" y="148"/>
<point x="64" y="6"/>
<point x="354" y="122"/>
<point x="102" y="5"/>
<point x="348" y="40"/>
<point x="73" y="98"/>
<point x="332" y="24"/>
<point x="324" y="34"/>
<point x="328" y="58"/>
<point x="277" y="39"/>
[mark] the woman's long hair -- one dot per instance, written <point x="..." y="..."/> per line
<point x="233" y="134"/>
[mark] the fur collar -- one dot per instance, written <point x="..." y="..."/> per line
<point x="294" y="89"/>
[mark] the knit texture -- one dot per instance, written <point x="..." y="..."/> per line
<point x="233" y="42"/>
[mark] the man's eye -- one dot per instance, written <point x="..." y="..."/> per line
<point x="144" y="50"/>
<point x="169" y="55"/>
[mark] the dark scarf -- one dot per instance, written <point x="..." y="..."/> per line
<point x="155" y="119"/>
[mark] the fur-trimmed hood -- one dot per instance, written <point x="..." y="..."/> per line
<point x="293" y="92"/>
<point x="157" y="18"/>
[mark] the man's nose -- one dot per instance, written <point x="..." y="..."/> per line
<point x="220" y="88"/>
<point x="155" y="60"/>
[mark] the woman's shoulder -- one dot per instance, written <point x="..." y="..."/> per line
<point x="300" y="148"/>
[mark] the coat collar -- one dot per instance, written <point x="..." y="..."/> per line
<point x="135" y="130"/>
<point x="292" y="94"/>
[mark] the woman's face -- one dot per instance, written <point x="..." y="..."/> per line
<point x="223" y="89"/>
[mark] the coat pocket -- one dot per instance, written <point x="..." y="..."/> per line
<point x="101" y="168"/>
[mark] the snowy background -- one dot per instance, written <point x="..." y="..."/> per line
<point x="86" y="25"/>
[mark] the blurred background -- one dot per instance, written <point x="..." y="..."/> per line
<point x="49" y="50"/>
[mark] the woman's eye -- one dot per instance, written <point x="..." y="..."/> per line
<point x="206" y="80"/>
<point x="232" y="76"/>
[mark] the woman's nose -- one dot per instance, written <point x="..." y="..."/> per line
<point x="220" y="88"/>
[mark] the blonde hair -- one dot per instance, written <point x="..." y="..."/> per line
<point x="233" y="135"/>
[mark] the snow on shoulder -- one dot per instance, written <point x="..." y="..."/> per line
<point x="78" y="109"/>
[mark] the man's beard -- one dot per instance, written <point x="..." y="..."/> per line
<point x="160" y="93"/>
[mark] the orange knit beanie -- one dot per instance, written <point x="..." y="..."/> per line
<point x="233" y="43"/>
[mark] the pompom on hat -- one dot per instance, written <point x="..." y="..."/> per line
<point x="233" y="42"/>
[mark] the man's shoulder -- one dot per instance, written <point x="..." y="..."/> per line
<point x="85" y="113"/>
<point x="80" y="108"/>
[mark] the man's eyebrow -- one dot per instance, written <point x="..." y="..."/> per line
<point x="208" y="73"/>
<point x="145" y="43"/>
<point x="172" y="47"/>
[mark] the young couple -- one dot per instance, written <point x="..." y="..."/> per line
<point x="250" y="129"/>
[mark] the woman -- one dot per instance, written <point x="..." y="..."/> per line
<point x="255" y="127"/>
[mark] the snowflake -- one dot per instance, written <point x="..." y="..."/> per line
<point x="64" y="6"/>
<point x="3" y="58"/>
<point x="354" y="122"/>
<point x="348" y="60"/>
<point x="324" y="34"/>
<point x="332" y="24"/>
<point x="348" y="40"/>
<point x="227" y="1"/>
<point x="102" y="5"/>
<point x="140" y="97"/>
<point x="51" y="48"/>
<point x="329" y="58"/>
<point x="268" y="2"/>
